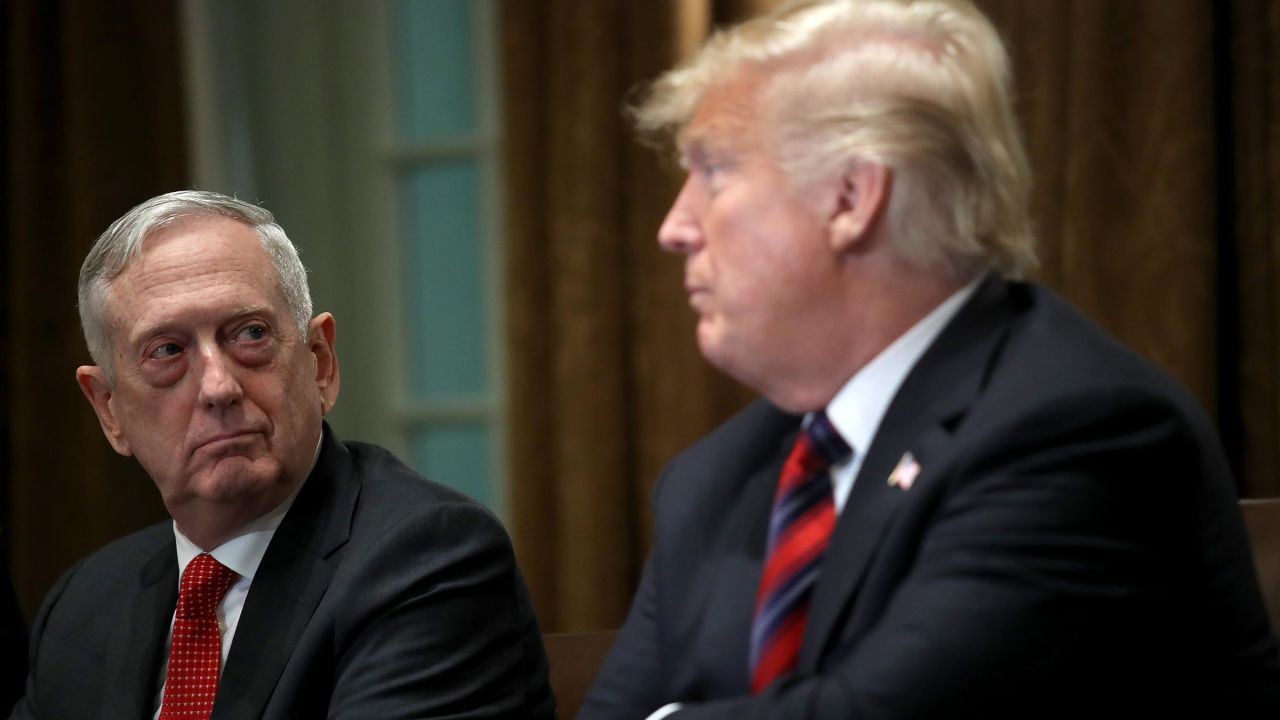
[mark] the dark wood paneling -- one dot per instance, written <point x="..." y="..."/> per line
<point x="95" y="126"/>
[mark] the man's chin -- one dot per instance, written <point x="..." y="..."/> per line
<point x="739" y="362"/>
<point x="230" y="478"/>
<point x="712" y="345"/>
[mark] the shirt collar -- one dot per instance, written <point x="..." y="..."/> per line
<point x="858" y="407"/>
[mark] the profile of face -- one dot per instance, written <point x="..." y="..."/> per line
<point x="212" y="387"/>
<point x="759" y="255"/>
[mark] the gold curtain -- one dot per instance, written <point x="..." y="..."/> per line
<point x="1150" y="125"/>
<point x="1118" y="111"/>
<point x="605" y="382"/>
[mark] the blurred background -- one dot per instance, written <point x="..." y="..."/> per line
<point x="464" y="188"/>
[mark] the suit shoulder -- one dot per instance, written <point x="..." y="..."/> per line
<point x="1055" y="349"/>
<point x="384" y="473"/>
<point x="712" y="470"/>
<point x="393" y="492"/>
<point x="1059" y="379"/>
<point x="747" y="436"/>
<point x="130" y="551"/>
<point x="100" y="579"/>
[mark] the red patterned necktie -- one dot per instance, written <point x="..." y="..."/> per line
<point x="799" y="531"/>
<point x="195" y="654"/>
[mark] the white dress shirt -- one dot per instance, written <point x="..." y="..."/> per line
<point x="859" y="406"/>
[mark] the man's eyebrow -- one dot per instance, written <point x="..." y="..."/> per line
<point x="695" y="145"/>
<point x="248" y="310"/>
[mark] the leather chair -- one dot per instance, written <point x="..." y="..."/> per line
<point x="575" y="658"/>
<point x="1262" y="517"/>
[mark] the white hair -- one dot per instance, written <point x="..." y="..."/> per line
<point x="123" y="240"/>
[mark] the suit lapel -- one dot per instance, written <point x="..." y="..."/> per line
<point x="132" y="664"/>
<point x="725" y="619"/>
<point x="291" y="580"/>
<point x="921" y="418"/>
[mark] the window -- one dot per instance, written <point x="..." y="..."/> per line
<point x="446" y="161"/>
<point x="370" y="130"/>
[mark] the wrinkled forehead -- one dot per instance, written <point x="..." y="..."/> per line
<point x="205" y="243"/>
<point x="191" y="254"/>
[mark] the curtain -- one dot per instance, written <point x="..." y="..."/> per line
<point x="94" y="125"/>
<point x="1124" y="193"/>
<point x="1152" y="131"/>
<point x="1249" y="232"/>
<point x="605" y="382"/>
<point x="1149" y="124"/>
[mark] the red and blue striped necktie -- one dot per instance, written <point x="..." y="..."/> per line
<point x="799" y="531"/>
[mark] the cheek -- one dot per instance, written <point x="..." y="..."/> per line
<point x="287" y="398"/>
<point x="158" y="412"/>
<point x="266" y="395"/>
<point x="749" y="248"/>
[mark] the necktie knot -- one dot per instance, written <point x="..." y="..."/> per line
<point x="817" y="448"/>
<point x="204" y="583"/>
<point x="826" y="445"/>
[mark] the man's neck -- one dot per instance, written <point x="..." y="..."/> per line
<point x="876" y="311"/>
<point x="208" y="525"/>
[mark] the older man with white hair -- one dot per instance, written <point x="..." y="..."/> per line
<point x="958" y="497"/>
<point x="301" y="576"/>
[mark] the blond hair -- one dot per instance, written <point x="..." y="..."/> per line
<point x="921" y="86"/>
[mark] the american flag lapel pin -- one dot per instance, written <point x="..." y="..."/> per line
<point x="905" y="473"/>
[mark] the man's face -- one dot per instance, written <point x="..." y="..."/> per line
<point x="758" y="259"/>
<point x="214" y="390"/>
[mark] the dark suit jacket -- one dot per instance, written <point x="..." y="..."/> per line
<point x="381" y="595"/>
<point x="1071" y="547"/>
<point x="13" y="642"/>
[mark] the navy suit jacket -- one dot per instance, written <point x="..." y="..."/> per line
<point x="1070" y="548"/>
<point x="381" y="595"/>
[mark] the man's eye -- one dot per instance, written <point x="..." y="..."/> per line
<point x="165" y="350"/>
<point x="252" y="332"/>
<point x="713" y="173"/>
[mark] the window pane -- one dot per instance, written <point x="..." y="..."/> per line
<point x="435" y="77"/>
<point x="444" y="282"/>
<point x="457" y="455"/>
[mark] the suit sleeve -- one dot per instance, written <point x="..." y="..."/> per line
<point x="441" y="625"/>
<point x="629" y="683"/>
<point x="1038" y="552"/>
<point x="27" y="707"/>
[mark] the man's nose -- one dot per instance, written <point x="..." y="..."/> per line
<point x="681" y="229"/>
<point x="218" y="384"/>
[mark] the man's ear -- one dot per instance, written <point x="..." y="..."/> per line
<point x="97" y="389"/>
<point x="862" y="197"/>
<point x="323" y="343"/>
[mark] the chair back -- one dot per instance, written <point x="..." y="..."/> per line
<point x="574" y="659"/>
<point x="1262" y="517"/>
